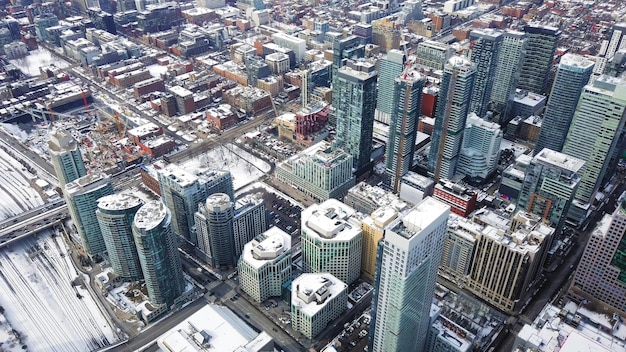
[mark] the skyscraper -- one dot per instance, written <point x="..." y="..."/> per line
<point x="456" y="88"/>
<point x="390" y="67"/>
<point x="549" y="186"/>
<point x="484" y="50"/>
<point x="355" y="91"/>
<point x="406" y="100"/>
<point x="65" y="157"/>
<point x="183" y="190"/>
<point x="542" y="42"/>
<point x="158" y="254"/>
<point x="115" y="215"/>
<point x="594" y="135"/>
<point x="601" y="274"/>
<point x="82" y="197"/>
<point x="331" y="240"/>
<point x="480" y="149"/>
<point x="216" y="237"/>
<point x="510" y="58"/>
<point x="409" y="256"/>
<point x="571" y="76"/>
<point x="608" y="48"/>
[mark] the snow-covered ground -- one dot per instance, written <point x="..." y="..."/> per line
<point x="243" y="166"/>
<point x="35" y="59"/>
<point x="16" y="195"/>
<point x="41" y="303"/>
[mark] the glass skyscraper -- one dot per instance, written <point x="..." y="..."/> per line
<point x="484" y="49"/>
<point x="65" y="157"/>
<point x="542" y="42"/>
<point x="390" y="67"/>
<point x="510" y="57"/>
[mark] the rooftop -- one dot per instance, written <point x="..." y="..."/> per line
<point x="420" y="217"/>
<point x="266" y="247"/>
<point x="61" y="141"/>
<point x="87" y="183"/>
<point x="119" y="201"/>
<point x="561" y="160"/>
<point x="331" y="220"/>
<point x="576" y="61"/>
<point x="311" y="292"/>
<point x="150" y="215"/>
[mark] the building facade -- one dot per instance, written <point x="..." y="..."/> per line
<point x="216" y="235"/>
<point x="82" y="197"/>
<point x="354" y="100"/>
<point x="390" y="67"/>
<point x="462" y="200"/>
<point x="115" y="215"/>
<point x="456" y="88"/>
<point x="158" y="253"/>
<point x="510" y="58"/>
<point x="65" y="157"/>
<point x="572" y="75"/>
<point x="541" y="46"/>
<point x="409" y="256"/>
<point x="480" y="150"/>
<point x="484" y="50"/>
<point x="331" y="239"/>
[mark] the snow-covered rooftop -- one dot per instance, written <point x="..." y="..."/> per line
<point x="266" y="247"/>
<point x="311" y="292"/>
<point x="331" y="220"/>
<point x="150" y="215"/>
<point x="119" y="201"/>
<point x="87" y="183"/>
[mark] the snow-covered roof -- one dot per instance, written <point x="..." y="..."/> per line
<point x="150" y="215"/>
<point x="311" y="292"/>
<point x="331" y="220"/>
<point x="266" y="247"/>
<point x="119" y="201"/>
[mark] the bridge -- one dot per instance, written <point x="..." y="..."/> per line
<point x="32" y="221"/>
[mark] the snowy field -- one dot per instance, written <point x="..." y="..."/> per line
<point x="16" y="195"/>
<point x="244" y="167"/>
<point x="41" y="303"/>
<point x="37" y="58"/>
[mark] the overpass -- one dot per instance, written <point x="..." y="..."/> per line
<point x="33" y="221"/>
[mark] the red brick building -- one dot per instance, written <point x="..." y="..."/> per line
<point x="461" y="200"/>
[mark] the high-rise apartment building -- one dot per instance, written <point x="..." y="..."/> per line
<point x="511" y="55"/>
<point x="409" y="256"/>
<point x="82" y="197"/>
<point x="65" y="157"/>
<point x="354" y="100"/>
<point x="456" y="88"/>
<point x="366" y="198"/>
<point x="214" y="226"/>
<point x="608" y="48"/>
<point x="484" y="50"/>
<point x="343" y="48"/>
<point x="265" y="264"/>
<point x="316" y="300"/>
<point x="373" y="228"/>
<point x="594" y="136"/>
<point x="115" y="215"/>
<point x="158" y="253"/>
<point x="550" y="183"/>
<point x="183" y="190"/>
<point x="480" y="149"/>
<point x="601" y="274"/>
<point x="391" y="66"/>
<point x="406" y="99"/>
<point x="331" y="240"/>
<point x="319" y="171"/>
<point x="572" y="75"/>
<point x="535" y="73"/>
<point x="250" y="220"/>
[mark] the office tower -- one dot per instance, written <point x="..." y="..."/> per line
<point x="373" y="228"/>
<point x="594" y="135"/>
<point x="320" y="172"/>
<point x="456" y="88"/>
<point x="82" y="197"/>
<point x="535" y="73"/>
<point x="316" y="300"/>
<point x="390" y="67"/>
<point x="480" y="149"/>
<point x="216" y="236"/>
<point x="265" y="264"/>
<point x="407" y="98"/>
<point x="510" y="58"/>
<point x="549" y="186"/>
<point x="408" y="258"/>
<point x="484" y="50"/>
<point x="600" y="277"/>
<point x="115" y="215"/>
<point x="507" y="264"/>
<point x="65" y="157"/>
<point x="433" y="54"/>
<point x="572" y="76"/>
<point x="183" y="190"/>
<point x="158" y="253"/>
<point x="355" y="91"/>
<point x="331" y="240"/>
